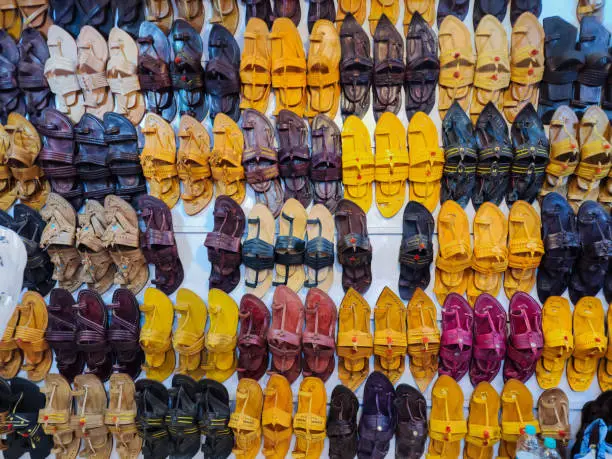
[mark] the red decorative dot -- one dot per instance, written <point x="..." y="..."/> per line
<point x="530" y="72"/>
<point x="354" y="339"/>
<point x="448" y="429"/>
<point x="425" y="340"/>
<point x="177" y="60"/>
<point x="565" y="338"/>
<point x="494" y="76"/>
<point x="598" y="170"/>
<point x="45" y="418"/>
<point x="497" y="58"/>
<point x="456" y="74"/>
<point x="417" y="257"/>
<point x="25" y="435"/>
<point x="359" y="177"/>
<point x="389" y="340"/>
<point x="114" y="418"/>
<point x="10" y="427"/>
<point x="598" y="340"/>
<point x="562" y="433"/>
<point x="353" y="240"/>
<point x="607" y="146"/>
<point x="535" y="52"/>
<point x="486" y="434"/>
<point x="457" y="55"/>
<point x="565" y="166"/>
<point x="421" y="246"/>
<point x="184" y="78"/>
<point x="428" y="173"/>
<point x="433" y="153"/>
<point x="573" y="146"/>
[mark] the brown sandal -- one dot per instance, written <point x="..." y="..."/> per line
<point x="36" y="14"/>
<point x="11" y="357"/>
<point x="226" y="13"/>
<point x="160" y="13"/>
<point x="10" y="18"/>
<point x="192" y="11"/>
<point x="8" y="190"/>
<point x="120" y="416"/>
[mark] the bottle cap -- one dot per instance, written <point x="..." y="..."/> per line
<point x="530" y="430"/>
<point x="550" y="443"/>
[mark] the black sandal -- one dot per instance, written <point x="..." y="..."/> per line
<point x="257" y="254"/>
<point x="214" y="419"/>
<point x="319" y="253"/>
<point x="182" y="417"/>
<point x="152" y="407"/>
<point x="342" y="423"/>
<point x="289" y="251"/>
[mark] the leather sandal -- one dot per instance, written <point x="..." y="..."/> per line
<point x="356" y="66"/>
<point x="159" y="244"/>
<point x="604" y="373"/>
<point x="188" y="339"/>
<point x="294" y="156"/>
<point x="353" y="246"/>
<point x="226" y="158"/>
<point x="564" y="151"/>
<point x="30" y="336"/>
<point x="416" y="249"/>
<point x="58" y="238"/>
<point x="358" y="163"/>
<point x="553" y="416"/>
<point x="246" y="419"/>
<point x="124" y="332"/>
<point x="98" y="270"/>
<point x="378" y="419"/>
<point x="290" y="246"/>
<point x="223" y="244"/>
<point x="495" y="156"/>
<point x="91" y="336"/>
<point x="156" y="335"/>
<point x="222" y="73"/>
<point x="355" y="342"/>
<point x="561" y="66"/>
<point x="355" y="8"/>
<point x="123" y="158"/>
<point x="60" y="72"/>
<point x="447" y="426"/>
<point x="321" y="9"/>
<point x="120" y="416"/>
<point x="154" y="55"/>
<point x="122" y="75"/>
<point x="530" y="156"/>
<point x="65" y="15"/>
<point x="31" y="187"/>
<point x="277" y="417"/>
<point x="91" y="159"/>
<point x="526" y="65"/>
<point x="426" y="161"/>
<point x="391" y="164"/>
<point x="484" y="8"/>
<point x="422" y="64"/>
<point x="160" y="13"/>
<point x="489" y="339"/>
<point x="516" y="414"/>
<point x="10" y="94"/>
<point x="61" y="334"/>
<point x="586" y="8"/>
<point x="285" y="333"/>
<point x="411" y="431"/>
<point x="310" y="419"/>
<point x="188" y="78"/>
<point x="122" y="236"/>
<point x="258" y="250"/>
<point x="341" y="428"/>
<point x="260" y="160"/>
<point x="561" y="243"/>
<point x="192" y="11"/>
<point x="288" y="9"/>
<point x="456" y="342"/>
<point x="590" y="343"/>
<point x="259" y="9"/>
<point x="130" y="15"/>
<point x="389" y="68"/>
<point x="10" y="18"/>
<point x="558" y="341"/>
<point x="151" y="408"/>
<point x="323" y="77"/>
<point x="460" y="157"/>
<point x="457" y="8"/>
<point x="256" y="66"/>
<point x="88" y="418"/>
<point x="97" y="14"/>
<point x="482" y="424"/>
<point x="226" y="13"/>
<point x="492" y="66"/>
<point x="424" y="8"/>
<point x="182" y="416"/>
<point x="319" y="251"/>
<point x="490" y="258"/>
<point x="318" y="339"/>
<point x="214" y="419"/>
<point x="55" y="416"/>
<point x="158" y="159"/>
<point x="91" y="71"/>
<point x="8" y="190"/>
<point x="457" y="65"/>
<point x="595" y="230"/>
<point x="519" y="7"/>
<point x="380" y="8"/>
<point x="390" y="335"/>
<point x="288" y="67"/>
<point x="326" y="166"/>
<point x="193" y="166"/>
<point x="36" y="14"/>
<point x="525" y="341"/>
<point x="454" y="252"/>
<point x="33" y="53"/>
<point x="58" y="154"/>
<point x="221" y="338"/>
<point x="252" y="344"/>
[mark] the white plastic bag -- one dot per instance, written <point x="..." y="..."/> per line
<point x="13" y="258"/>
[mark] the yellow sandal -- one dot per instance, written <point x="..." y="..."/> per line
<point x="484" y="431"/>
<point x="604" y="375"/>
<point x="517" y="413"/>
<point x="30" y="336"/>
<point x="358" y="166"/>
<point x="255" y="66"/>
<point x="226" y="158"/>
<point x="310" y="419"/>
<point x="188" y="339"/>
<point x="447" y="426"/>
<point x="389" y="8"/>
<point x="245" y="421"/>
<point x="222" y="336"/>
<point x="423" y="338"/>
<point x="11" y="357"/>
<point x="390" y="339"/>
<point x="277" y="417"/>
<point x="156" y="334"/>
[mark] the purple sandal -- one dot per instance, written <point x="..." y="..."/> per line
<point x="489" y="339"/>
<point x="526" y="340"/>
<point x="456" y="344"/>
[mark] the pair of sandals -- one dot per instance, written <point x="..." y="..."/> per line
<point x="72" y="15"/>
<point x="390" y="335"/>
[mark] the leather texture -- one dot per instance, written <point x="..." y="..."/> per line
<point x="389" y="68"/>
<point x="222" y="78"/>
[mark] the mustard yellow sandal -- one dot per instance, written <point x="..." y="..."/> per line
<point x="390" y="335"/>
<point x="156" y="334"/>
<point x="423" y="338"/>
<point x="226" y="159"/>
<point x="517" y="413"/>
<point x="245" y="421"/>
<point x="484" y="431"/>
<point x="604" y="374"/>
<point x="358" y="166"/>
<point x="447" y="426"/>
<point x="310" y="419"/>
<point x="188" y="339"/>
<point x="222" y="336"/>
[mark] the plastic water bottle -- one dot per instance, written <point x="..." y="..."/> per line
<point x="550" y="449"/>
<point x="528" y="446"/>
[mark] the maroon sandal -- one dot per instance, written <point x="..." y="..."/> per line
<point x="254" y="323"/>
<point x="326" y="168"/>
<point x="526" y="340"/>
<point x="158" y="244"/>
<point x="224" y="244"/>
<point x="285" y="333"/>
<point x="456" y="342"/>
<point x="318" y="340"/>
<point x="124" y="333"/>
<point x="489" y="339"/>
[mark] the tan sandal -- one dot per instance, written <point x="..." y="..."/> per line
<point x="553" y="415"/>
<point x="192" y="11"/>
<point x="590" y="8"/>
<point x="10" y="18"/>
<point x="160" y="13"/>
<point x="226" y="13"/>
<point x="8" y="189"/>
<point x="120" y="416"/>
<point x="11" y="357"/>
<point x="36" y="14"/>
<point x="226" y="158"/>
